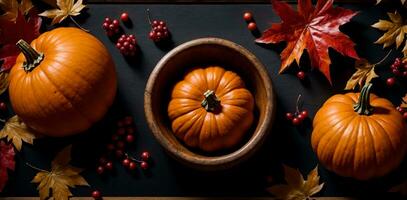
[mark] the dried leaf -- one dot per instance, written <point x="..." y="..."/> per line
<point x="402" y="1"/>
<point x="66" y="8"/>
<point x="16" y="131"/>
<point x="363" y="75"/>
<point x="61" y="177"/>
<point x="401" y="188"/>
<point x="312" y="28"/>
<point x="6" y="162"/>
<point x="3" y="81"/>
<point x="12" y="8"/>
<point x="404" y="102"/>
<point x="395" y="30"/>
<point x="297" y="188"/>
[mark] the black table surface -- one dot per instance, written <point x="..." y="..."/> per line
<point x="287" y="144"/>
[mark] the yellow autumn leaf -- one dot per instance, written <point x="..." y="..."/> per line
<point x="16" y="131"/>
<point x="297" y="188"/>
<point x="11" y="8"/>
<point x="404" y="102"/>
<point x="56" y="183"/>
<point x="395" y="30"/>
<point x="363" y="75"/>
<point x="402" y="1"/>
<point x="66" y="8"/>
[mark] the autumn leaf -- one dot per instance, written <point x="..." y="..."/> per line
<point x="402" y="1"/>
<point x="11" y="32"/>
<point x="16" y="131"/>
<point x="3" y="81"/>
<point x="6" y="162"/>
<point x="12" y="8"/>
<point x="297" y="188"/>
<point x="65" y="8"/>
<point x="396" y="29"/>
<point x="401" y="188"/>
<point x="56" y="183"/>
<point x="312" y="28"/>
<point x="404" y="102"/>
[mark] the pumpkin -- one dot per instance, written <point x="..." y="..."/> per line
<point x="63" y="83"/>
<point x="211" y="109"/>
<point x="359" y="135"/>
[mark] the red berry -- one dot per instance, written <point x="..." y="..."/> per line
<point x="144" y="165"/>
<point x="100" y="170"/>
<point x="145" y="155"/>
<point x="252" y="26"/>
<point x="405" y="73"/>
<point x="96" y="194"/>
<point x="396" y="72"/>
<point x="124" y="17"/>
<point x="391" y="81"/>
<point x="109" y="165"/>
<point x="400" y="109"/>
<point x="301" y="117"/>
<point x="132" y="165"/>
<point x="289" y="116"/>
<point x="3" y="106"/>
<point x="301" y="75"/>
<point x="296" y="121"/>
<point x="304" y="113"/>
<point x="247" y="16"/>
<point x="126" y="162"/>
<point x="107" y="19"/>
<point x="129" y="138"/>
<point x="128" y="120"/>
<point x="405" y="115"/>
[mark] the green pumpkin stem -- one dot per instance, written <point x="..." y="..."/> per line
<point x="33" y="58"/>
<point x="363" y="107"/>
<point x="211" y="102"/>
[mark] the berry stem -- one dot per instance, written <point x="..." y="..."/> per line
<point x="3" y="120"/>
<point x="384" y="58"/>
<point x="36" y="168"/>
<point x="149" y="16"/>
<point x="132" y="158"/>
<point x="77" y="24"/>
<point x="297" y="105"/>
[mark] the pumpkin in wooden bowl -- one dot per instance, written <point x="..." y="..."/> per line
<point x="218" y="87"/>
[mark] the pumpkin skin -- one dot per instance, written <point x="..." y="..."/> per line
<point x="70" y="89"/>
<point x="211" y="130"/>
<point x="355" y="145"/>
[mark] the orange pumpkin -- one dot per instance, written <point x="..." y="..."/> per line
<point x="63" y="83"/>
<point x="211" y="109"/>
<point x="359" y="135"/>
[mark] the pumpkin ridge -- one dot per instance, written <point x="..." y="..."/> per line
<point x="187" y="123"/>
<point x="225" y="89"/>
<point x="360" y="151"/>
<point x="384" y="131"/>
<point x="371" y="141"/>
<point x="68" y="99"/>
<point x="216" y="84"/>
<point x="197" y="122"/>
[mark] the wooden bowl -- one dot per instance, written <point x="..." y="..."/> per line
<point x="202" y="52"/>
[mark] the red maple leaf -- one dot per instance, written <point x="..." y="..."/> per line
<point x="312" y="28"/>
<point x="6" y="162"/>
<point x="25" y="27"/>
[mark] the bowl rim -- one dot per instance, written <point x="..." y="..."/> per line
<point x="232" y="158"/>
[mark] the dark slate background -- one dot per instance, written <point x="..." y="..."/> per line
<point x="286" y="144"/>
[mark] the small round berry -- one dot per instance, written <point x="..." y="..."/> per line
<point x="396" y="72"/>
<point x="252" y="26"/>
<point x="145" y="155"/>
<point x="105" y="25"/>
<point x="296" y="121"/>
<point x="115" y="23"/>
<point x="162" y="23"/>
<point x="144" y="165"/>
<point x="3" y="106"/>
<point x="129" y="138"/>
<point x="126" y="162"/>
<point x="109" y="165"/>
<point x="132" y="165"/>
<point x="400" y="109"/>
<point x="405" y="115"/>
<point x="289" y="116"/>
<point x="405" y="73"/>
<point x="100" y="170"/>
<point x="301" y="75"/>
<point x="96" y="194"/>
<point x="304" y="113"/>
<point x="391" y="81"/>
<point x="155" y="23"/>
<point x="111" y="27"/>
<point x="108" y="20"/>
<point x="247" y="16"/>
<point x="124" y="17"/>
<point x="301" y="117"/>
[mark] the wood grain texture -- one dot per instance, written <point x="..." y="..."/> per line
<point x="211" y="1"/>
<point x="176" y="198"/>
<point x="200" y="52"/>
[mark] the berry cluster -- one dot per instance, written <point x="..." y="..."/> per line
<point x="159" y="31"/>
<point x="298" y="117"/>
<point x="403" y="111"/>
<point x="116" y="148"/>
<point x="399" y="69"/>
<point x="110" y="26"/>
<point x="127" y="45"/>
<point x="248" y="17"/>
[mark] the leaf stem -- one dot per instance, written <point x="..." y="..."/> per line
<point x="77" y="24"/>
<point x="384" y="58"/>
<point x="36" y="168"/>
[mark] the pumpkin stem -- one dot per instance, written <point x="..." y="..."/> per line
<point x="33" y="58"/>
<point x="363" y="106"/>
<point x="211" y="101"/>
